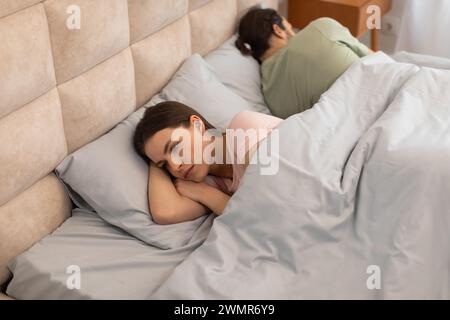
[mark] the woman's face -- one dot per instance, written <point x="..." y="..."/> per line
<point x="162" y="146"/>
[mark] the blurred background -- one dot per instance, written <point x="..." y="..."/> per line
<point x="418" y="26"/>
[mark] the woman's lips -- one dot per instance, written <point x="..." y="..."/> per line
<point x="188" y="172"/>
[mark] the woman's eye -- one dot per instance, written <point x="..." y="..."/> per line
<point x="177" y="153"/>
<point x="176" y="148"/>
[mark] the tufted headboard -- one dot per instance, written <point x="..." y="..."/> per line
<point x="70" y="70"/>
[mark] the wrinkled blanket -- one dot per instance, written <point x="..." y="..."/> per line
<point x="359" y="207"/>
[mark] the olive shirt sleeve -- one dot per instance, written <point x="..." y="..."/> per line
<point x="335" y="31"/>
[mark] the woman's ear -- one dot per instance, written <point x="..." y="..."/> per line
<point x="197" y="122"/>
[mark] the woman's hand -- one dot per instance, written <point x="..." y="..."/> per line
<point x="165" y="203"/>
<point x="190" y="189"/>
<point x="203" y="193"/>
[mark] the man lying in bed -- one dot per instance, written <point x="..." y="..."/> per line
<point x="296" y="68"/>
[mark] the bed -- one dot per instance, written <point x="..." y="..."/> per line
<point x="69" y="116"/>
<point x="72" y="84"/>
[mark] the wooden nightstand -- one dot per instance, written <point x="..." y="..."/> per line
<point x="350" y="13"/>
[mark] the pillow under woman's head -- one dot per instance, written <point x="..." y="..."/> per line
<point x="109" y="177"/>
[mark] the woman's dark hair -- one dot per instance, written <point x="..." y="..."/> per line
<point x="255" y="30"/>
<point x="168" y="114"/>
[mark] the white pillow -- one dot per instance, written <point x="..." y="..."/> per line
<point x="422" y="60"/>
<point x="242" y="74"/>
<point x="195" y="85"/>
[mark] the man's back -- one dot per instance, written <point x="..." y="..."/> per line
<point x="295" y="77"/>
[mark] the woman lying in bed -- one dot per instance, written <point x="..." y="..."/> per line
<point x="182" y="188"/>
<point x="296" y="68"/>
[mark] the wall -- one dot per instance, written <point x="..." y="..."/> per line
<point x="388" y="40"/>
<point x="283" y="7"/>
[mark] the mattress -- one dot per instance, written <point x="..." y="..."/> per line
<point x="88" y="259"/>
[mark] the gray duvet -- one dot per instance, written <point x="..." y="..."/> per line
<point x="359" y="209"/>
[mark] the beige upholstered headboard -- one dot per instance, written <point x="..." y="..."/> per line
<point x="62" y="87"/>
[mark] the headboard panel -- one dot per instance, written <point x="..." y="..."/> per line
<point x="32" y="215"/>
<point x="206" y="33"/>
<point x="157" y="57"/>
<point x="243" y="5"/>
<point x="104" y="32"/>
<point x="26" y="67"/>
<point x="62" y="88"/>
<point x="195" y="4"/>
<point x="98" y="99"/>
<point x="10" y="6"/>
<point x="32" y="145"/>
<point x="150" y="16"/>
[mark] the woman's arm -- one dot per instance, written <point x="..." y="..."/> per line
<point x="203" y="193"/>
<point x="166" y="205"/>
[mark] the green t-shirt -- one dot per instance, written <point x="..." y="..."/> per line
<point x="295" y="77"/>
